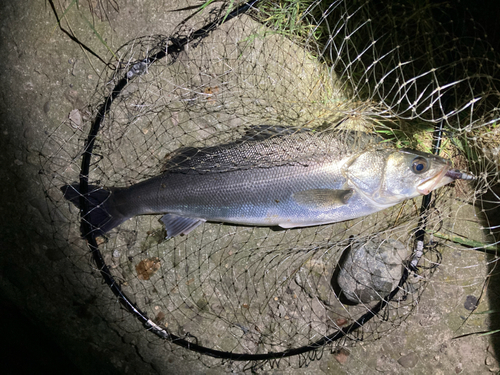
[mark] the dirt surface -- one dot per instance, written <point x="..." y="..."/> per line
<point x="58" y="311"/>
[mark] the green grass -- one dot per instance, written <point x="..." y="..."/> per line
<point x="476" y="245"/>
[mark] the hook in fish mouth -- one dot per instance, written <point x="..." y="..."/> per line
<point x="458" y="175"/>
<point x="443" y="178"/>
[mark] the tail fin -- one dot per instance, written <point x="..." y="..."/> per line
<point x="101" y="216"/>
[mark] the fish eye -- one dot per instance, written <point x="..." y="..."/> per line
<point x="419" y="165"/>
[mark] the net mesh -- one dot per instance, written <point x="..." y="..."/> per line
<point x="397" y="72"/>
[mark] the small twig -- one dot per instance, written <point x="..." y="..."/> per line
<point x="71" y="34"/>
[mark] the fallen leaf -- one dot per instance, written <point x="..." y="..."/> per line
<point x="147" y="267"/>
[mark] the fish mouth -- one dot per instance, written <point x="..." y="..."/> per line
<point x="436" y="182"/>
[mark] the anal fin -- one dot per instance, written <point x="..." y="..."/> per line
<point x="175" y="224"/>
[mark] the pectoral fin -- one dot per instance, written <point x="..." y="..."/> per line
<point x="323" y="198"/>
<point x="176" y="225"/>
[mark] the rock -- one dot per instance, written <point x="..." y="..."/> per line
<point x="75" y="118"/>
<point x="369" y="271"/>
<point x="471" y="303"/>
<point x="341" y="355"/>
<point x="46" y="107"/>
<point x="409" y="360"/>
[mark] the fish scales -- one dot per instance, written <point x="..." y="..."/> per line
<point x="251" y="181"/>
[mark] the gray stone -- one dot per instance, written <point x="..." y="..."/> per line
<point x="471" y="303"/>
<point x="409" y="360"/>
<point x="369" y="271"/>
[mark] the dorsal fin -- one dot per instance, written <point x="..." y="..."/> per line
<point x="259" y="146"/>
<point x="262" y="132"/>
<point x="267" y="146"/>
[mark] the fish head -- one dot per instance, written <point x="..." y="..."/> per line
<point x="388" y="177"/>
<point x="411" y="173"/>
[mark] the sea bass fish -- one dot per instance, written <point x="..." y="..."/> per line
<point x="271" y="176"/>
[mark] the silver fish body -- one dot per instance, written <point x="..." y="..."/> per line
<point x="272" y="177"/>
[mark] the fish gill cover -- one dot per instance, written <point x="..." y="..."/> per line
<point x="258" y="294"/>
